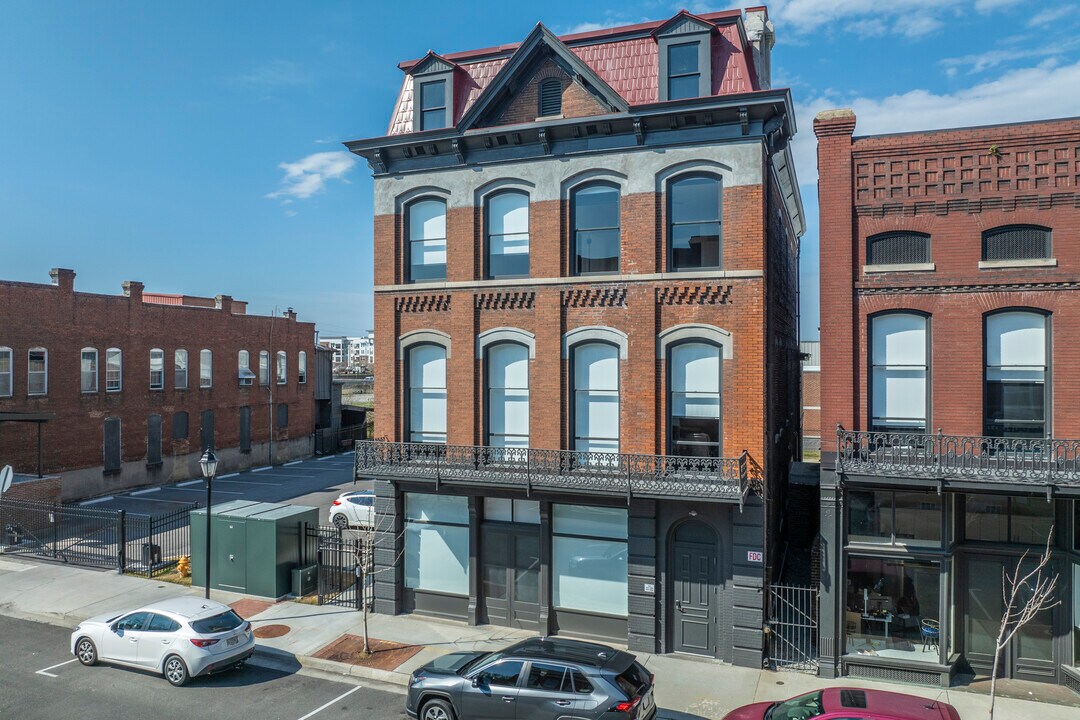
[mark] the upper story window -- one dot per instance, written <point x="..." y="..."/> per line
<point x="157" y="369"/>
<point x="1014" y="403"/>
<point x="6" y="372"/>
<point x="898" y="248"/>
<point x="549" y="97"/>
<point x="206" y="368"/>
<point x="264" y="367"/>
<point x="684" y="71"/>
<point x="425" y="221"/>
<point x="37" y="372"/>
<point x="694" y="217"/>
<point x="595" y="217"/>
<point x="88" y="370"/>
<point x="243" y="368"/>
<point x="596" y="397"/>
<point x="507" y="368"/>
<point x="114" y="370"/>
<point x="282" y="373"/>
<point x="180" y="368"/>
<point x="508" y="234"/>
<point x="433" y="105"/>
<point x="1016" y="242"/>
<point x="899" y="372"/>
<point x="301" y="364"/>
<point x="427" y="394"/>
<point x="694" y="408"/>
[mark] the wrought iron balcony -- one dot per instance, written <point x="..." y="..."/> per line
<point x="529" y="469"/>
<point x="1035" y="461"/>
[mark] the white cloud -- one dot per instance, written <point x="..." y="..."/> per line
<point x="309" y="175"/>
<point x="583" y="27"/>
<point x="1018" y="95"/>
<point x="980" y="62"/>
<point x="1050" y="15"/>
<point x="913" y="18"/>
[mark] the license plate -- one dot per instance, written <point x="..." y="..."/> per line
<point x="233" y="640"/>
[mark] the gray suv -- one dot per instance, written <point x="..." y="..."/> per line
<point x="536" y="679"/>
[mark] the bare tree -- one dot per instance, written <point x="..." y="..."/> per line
<point x="1026" y="594"/>
<point x="365" y="561"/>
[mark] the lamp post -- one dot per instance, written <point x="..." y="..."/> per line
<point x="208" y="462"/>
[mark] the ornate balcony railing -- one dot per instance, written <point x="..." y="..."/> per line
<point x="1038" y="461"/>
<point x="529" y="469"/>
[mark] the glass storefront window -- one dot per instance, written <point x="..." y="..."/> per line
<point x="437" y="543"/>
<point x="507" y="510"/>
<point x="1076" y="612"/>
<point x="891" y="608"/>
<point x="589" y="559"/>
<point x="997" y="518"/>
<point x="903" y="518"/>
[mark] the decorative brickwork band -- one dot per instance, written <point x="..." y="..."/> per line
<point x="422" y="303"/>
<point x="694" y="295"/>
<point x="971" y="206"/>
<point x="504" y="300"/>
<point x="595" y="297"/>
<point x="965" y="289"/>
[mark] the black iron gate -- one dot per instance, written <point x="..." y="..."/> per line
<point x="793" y="626"/>
<point x="77" y="535"/>
<point x="340" y="559"/>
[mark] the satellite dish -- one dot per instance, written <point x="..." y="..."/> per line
<point x="6" y="476"/>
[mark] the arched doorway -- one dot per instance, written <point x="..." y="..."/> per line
<point x="692" y="600"/>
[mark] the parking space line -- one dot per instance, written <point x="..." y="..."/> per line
<point x="189" y="482"/>
<point x="154" y="499"/>
<point x="44" y="671"/>
<point x="107" y="498"/>
<point x="337" y="699"/>
<point x="199" y="490"/>
<point x="228" y="476"/>
<point x="294" y="462"/>
<point x="249" y="482"/>
<point x="147" y="491"/>
<point x="261" y="469"/>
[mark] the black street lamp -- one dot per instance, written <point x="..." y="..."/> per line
<point x="208" y="462"/>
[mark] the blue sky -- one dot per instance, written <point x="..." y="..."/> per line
<point x="196" y="146"/>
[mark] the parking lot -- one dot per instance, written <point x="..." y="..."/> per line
<point x="39" y="680"/>
<point x="314" y="482"/>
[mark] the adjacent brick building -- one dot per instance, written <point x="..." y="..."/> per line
<point x="811" y="394"/>
<point x="136" y="386"/>
<point x="950" y="338"/>
<point x="586" y="324"/>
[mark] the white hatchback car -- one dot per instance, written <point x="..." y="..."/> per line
<point x="180" y="638"/>
<point x="354" y="509"/>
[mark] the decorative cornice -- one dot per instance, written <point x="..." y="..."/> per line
<point x="504" y="300"/>
<point x="957" y="289"/>
<point x="694" y="295"/>
<point x="422" y="303"/>
<point x="611" y="296"/>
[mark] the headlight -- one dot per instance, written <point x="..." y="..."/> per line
<point x="77" y="628"/>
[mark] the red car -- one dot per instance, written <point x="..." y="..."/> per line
<point x="848" y="704"/>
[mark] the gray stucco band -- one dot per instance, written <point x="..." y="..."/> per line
<point x="595" y="333"/>
<point x="694" y="331"/>
<point x="417" y="337"/>
<point x="506" y="334"/>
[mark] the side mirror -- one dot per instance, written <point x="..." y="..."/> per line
<point x="115" y="627"/>
<point x="476" y="681"/>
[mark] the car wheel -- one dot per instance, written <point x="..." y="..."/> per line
<point x="176" y="671"/>
<point x="437" y="710"/>
<point x="86" y="651"/>
<point x="341" y="522"/>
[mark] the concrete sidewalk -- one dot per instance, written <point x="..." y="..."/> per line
<point x="686" y="687"/>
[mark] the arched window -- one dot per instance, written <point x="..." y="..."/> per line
<point x="114" y="370"/>
<point x="6" y="384"/>
<point x="594" y="209"/>
<point x="694" y="408"/>
<point x="88" y="370"/>
<point x="282" y="371"/>
<point x="899" y="372"/>
<point x="596" y="397"/>
<point x="301" y="364"/>
<point x="507" y="375"/>
<point x="206" y="369"/>
<point x="1014" y="403"/>
<point x="898" y="248"/>
<point x="37" y="371"/>
<point x="425" y="222"/>
<point x="426" y="400"/>
<point x="694" y="222"/>
<point x="549" y="97"/>
<point x="264" y="367"/>
<point x="1016" y="242"/>
<point x="180" y="368"/>
<point x="508" y="234"/>
<point x="243" y="368"/>
<point x="157" y="369"/>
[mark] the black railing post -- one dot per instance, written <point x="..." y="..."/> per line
<point x="839" y="454"/>
<point x="56" y="519"/>
<point x="939" y="450"/>
<point x="121" y="536"/>
<point x="528" y="472"/>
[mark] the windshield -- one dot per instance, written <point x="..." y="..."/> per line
<point x="219" y="623"/>
<point x="481" y="661"/>
<point x="803" y="707"/>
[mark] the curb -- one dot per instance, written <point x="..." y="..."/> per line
<point x="332" y="666"/>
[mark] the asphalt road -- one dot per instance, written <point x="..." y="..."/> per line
<point x="107" y="693"/>
<point x="311" y="482"/>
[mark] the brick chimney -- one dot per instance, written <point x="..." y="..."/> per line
<point x="762" y="36"/>
<point x="63" y="278"/>
<point x="133" y="289"/>
<point x="291" y="314"/>
<point x="224" y="303"/>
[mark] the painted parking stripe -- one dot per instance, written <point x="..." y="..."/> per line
<point x="262" y="469"/>
<point x="337" y="699"/>
<point x="294" y="462"/>
<point x="201" y="490"/>
<point x="46" y="672"/>
<point x="161" y="500"/>
<point x="189" y="482"/>
<point x="107" y="498"/>
<point x="248" y="482"/>
<point x="222" y="477"/>
<point x="147" y="491"/>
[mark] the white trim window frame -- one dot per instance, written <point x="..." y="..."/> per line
<point x="206" y="368"/>
<point x="114" y="370"/>
<point x="88" y="370"/>
<point x="157" y="369"/>
<point x="264" y="367"/>
<point x="282" y="368"/>
<point x="301" y="366"/>
<point x="180" y="369"/>
<point x="7" y="372"/>
<point x="37" y="371"/>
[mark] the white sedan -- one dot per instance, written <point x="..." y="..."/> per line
<point x="180" y="638"/>
<point x="354" y="509"/>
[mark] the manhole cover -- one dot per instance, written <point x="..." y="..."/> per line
<point x="271" y="631"/>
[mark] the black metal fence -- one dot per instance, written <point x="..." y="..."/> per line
<point x="341" y="558"/>
<point x="793" y="628"/>
<point x="95" y="537"/>
<point x="329" y="441"/>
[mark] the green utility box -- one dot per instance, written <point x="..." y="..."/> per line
<point x="254" y="546"/>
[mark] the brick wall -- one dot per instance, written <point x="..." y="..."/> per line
<point x="811" y="403"/>
<point x="524" y="106"/>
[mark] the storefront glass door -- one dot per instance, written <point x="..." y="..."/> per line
<point x="511" y="575"/>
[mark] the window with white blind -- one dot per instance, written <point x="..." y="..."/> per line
<point x="180" y="369"/>
<point x="5" y="372"/>
<point x="37" y="371"/>
<point x="114" y="370"/>
<point x="157" y="369"/>
<point x="596" y="397"/>
<point x="88" y="370"/>
<point x="427" y="394"/>
<point x="1014" y="394"/>
<point x="508" y="395"/>
<point x="264" y="367"/>
<point x="694" y="407"/>
<point x="206" y="368"/>
<point x="282" y="372"/>
<point x="508" y="234"/>
<point x="899" y="373"/>
<point x="426" y="223"/>
<point x="301" y="363"/>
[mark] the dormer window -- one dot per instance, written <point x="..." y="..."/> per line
<point x="433" y="93"/>
<point x="685" y="45"/>
<point x="433" y="105"/>
<point x="684" y="74"/>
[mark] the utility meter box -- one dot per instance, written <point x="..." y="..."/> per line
<point x="254" y="546"/>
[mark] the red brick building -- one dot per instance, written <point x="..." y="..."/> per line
<point x="137" y="385"/>
<point x="950" y="264"/>
<point x="811" y="394"/>
<point x="586" y="326"/>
